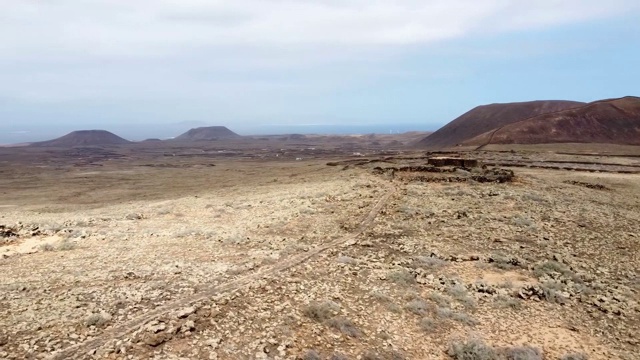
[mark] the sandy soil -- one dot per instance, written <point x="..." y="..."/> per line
<point x="286" y="259"/>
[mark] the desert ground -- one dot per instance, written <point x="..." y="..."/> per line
<point x="313" y="252"/>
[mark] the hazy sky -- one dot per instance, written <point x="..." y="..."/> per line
<point x="261" y="66"/>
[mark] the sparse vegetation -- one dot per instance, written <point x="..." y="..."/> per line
<point x="395" y="355"/>
<point x="476" y="349"/>
<point x="533" y="197"/>
<point x="346" y="260"/>
<point x="311" y="355"/>
<point x="457" y="291"/>
<point x="418" y="307"/>
<point x="401" y="277"/>
<point x="471" y="349"/>
<point x="428" y="325"/>
<point x="429" y="262"/>
<point x="552" y="292"/>
<point x="338" y="356"/>
<point x="66" y="245"/>
<point x="395" y="308"/>
<point x="581" y="288"/>
<point x="47" y="247"/>
<point x="371" y="355"/>
<point x="134" y="216"/>
<point x="307" y="211"/>
<point x="345" y="326"/>
<point x="235" y="239"/>
<point x="236" y="270"/>
<point x="522" y="221"/>
<point x="463" y="318"/>
<point x="468" y="302"/>
<point x="383" y="355"/>
<point x="439" y="299"/>
<point x="409" y="212"/>
<point x="97" y="319"/>
<point x="521" y="353"/>
<point x="548" y="268"/>
<point x="505" y="262"/>
<point x="390" y="289"/>
<point x="508" y="302"/>
<point x="380" y="296"/>
<point x="325" y="312"/>
<point x="321" y="311"/>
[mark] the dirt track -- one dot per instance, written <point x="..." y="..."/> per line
<point x="118" y="332"/>
<point x="274" y="260"/>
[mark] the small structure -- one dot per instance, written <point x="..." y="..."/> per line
<point x="452" y="161"/>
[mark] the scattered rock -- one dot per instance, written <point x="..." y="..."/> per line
<point x="531" y="292"/>
<point x="7" y="232"/>
<point x="155" y="327"/>
<point x="484" y="288"/>
<point x="188" y="325"/>
<point x="155" y="339"/>
<point x="185" y="312"/>
<point x="587" y="185"/>
<point x="134" y="217"/>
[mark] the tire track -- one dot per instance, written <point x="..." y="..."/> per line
<point x="82" y="349"/>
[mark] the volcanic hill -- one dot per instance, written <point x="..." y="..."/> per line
<point x="490" y="117"/>
<point x="612" y="121"/>
<point x="208" y="133"/>
<point x="84" y="138"/>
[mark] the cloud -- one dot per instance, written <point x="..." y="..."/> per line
<point x="132" y="28"/>
<point x="61" y="50"/>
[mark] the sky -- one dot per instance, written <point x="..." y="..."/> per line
<point x="155" y="68"/>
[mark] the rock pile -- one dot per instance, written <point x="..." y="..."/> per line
<point x="452" y="161"/>
<point x="8" y="231"/>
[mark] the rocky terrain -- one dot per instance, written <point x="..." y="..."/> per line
<point x="372" y="257"/>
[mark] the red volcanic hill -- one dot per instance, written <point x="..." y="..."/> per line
<point x="489" y="117"/>
<point x="613" y="121"/>
<point x="85" y="138"/>
<point x="208" y="133"/>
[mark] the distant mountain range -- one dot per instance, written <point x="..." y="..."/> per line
<point x="215" y="133"/>
<point x="613" y="121"/>
<point x="105" y="138"/>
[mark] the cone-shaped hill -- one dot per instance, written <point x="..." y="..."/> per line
<point x="490" y="117"/>
<point x="613" y="121"/>
<point x="84" y="138"/>
<point x="208" y="133"/>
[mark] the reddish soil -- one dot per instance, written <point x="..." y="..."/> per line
<point x="489" y="117"/>
<point x="615" y="121"/>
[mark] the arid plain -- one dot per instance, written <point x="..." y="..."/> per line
<point x="312" y="250"/>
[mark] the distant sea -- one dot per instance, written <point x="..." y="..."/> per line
<point x="336" y="129"/>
